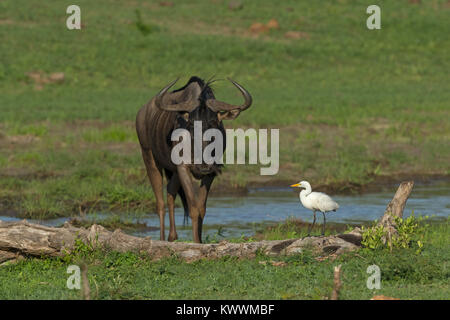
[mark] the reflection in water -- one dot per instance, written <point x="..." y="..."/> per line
<point x="236" y="216"/>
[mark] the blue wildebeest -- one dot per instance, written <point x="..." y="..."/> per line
<point x="155" y="123"/>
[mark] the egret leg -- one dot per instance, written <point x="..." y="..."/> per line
<point x="311" y="226"/>
<point x="324" y="221"/>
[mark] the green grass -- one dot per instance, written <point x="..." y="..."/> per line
<point x="351" y="104"/>
<point x="405" y="274"/>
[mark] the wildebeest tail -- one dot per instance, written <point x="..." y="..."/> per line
<point x="185" y="205"/>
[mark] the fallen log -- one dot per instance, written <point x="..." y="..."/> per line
<point x="24" y="239"/>
<point x="19" y="239"/>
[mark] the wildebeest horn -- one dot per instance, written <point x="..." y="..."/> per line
<point x="218" y="106"/>
<point x="188" y="104"/>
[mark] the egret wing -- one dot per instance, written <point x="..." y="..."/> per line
<point x="325" y="203"/>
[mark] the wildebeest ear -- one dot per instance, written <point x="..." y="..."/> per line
<point x="228" y="115"/>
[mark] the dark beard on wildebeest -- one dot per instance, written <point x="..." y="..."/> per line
<point x="208" y="119"/>
<point x="156" y="121"/>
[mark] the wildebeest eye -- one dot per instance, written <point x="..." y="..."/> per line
<point x="183" y="119"/>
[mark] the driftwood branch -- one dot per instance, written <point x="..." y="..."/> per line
<point x="337" y="283"/>
<point x="22" y="239"/>
<point x="86" y="289"/>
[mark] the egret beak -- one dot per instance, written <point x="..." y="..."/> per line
<point x="295" y="185"/>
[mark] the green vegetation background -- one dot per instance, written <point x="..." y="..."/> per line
<point x="352" y="104"/>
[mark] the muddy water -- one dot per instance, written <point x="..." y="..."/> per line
<point x="235" y="216"/>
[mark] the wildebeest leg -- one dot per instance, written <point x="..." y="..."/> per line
<point x="173" y="185"/>
<point x="202" y="198"/>
<point x="156" y="180"/>
<point x="190" y="190"/>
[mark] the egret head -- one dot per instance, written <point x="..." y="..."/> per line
<point x="301" y="184"/>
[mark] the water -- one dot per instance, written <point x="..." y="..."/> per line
<point x="235" y="216"/>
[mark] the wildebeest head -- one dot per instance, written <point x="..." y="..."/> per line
<point x="196" y="102"/>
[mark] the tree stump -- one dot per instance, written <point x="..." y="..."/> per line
<point x="395" y="210"/>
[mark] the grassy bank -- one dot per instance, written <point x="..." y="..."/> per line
<point x="405" y="274"/>
<point x="351" y="104"/>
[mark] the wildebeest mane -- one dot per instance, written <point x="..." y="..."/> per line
<point x="207" y="90"/>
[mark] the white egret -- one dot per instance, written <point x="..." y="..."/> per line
<point x="315" y="201"/>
